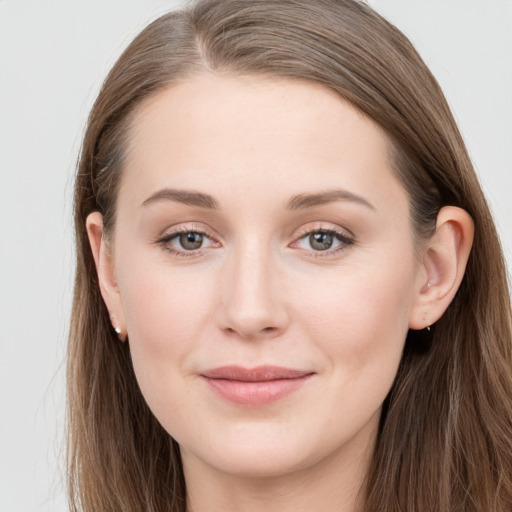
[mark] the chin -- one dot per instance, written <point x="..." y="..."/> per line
<point x="261" y="455"/>
<point x="260" y="463"/>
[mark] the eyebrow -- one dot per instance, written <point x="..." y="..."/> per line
<point x="304" y="201"/>
<point x="188" y="197"/>
<point x="298" y="202"/>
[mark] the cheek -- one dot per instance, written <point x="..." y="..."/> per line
<point x="359" y="327"/>
<point x="360" y="319"/>
<point x="162" y="302"/>
<point x="166" y="315"/>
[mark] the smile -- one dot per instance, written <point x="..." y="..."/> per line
<point x="254" y="387"/>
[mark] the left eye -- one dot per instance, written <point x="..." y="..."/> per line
<point x="323" y="240"/>
<point x="190" y="241"/>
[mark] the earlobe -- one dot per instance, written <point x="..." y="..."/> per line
<point x="106" y="273"/>
<point x="445" y="257"/>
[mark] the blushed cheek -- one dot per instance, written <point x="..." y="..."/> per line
<point x="164" y="316"/>
<point x="361" y="321"/>
<point x="163" y="323"/>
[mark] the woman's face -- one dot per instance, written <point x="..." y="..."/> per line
<point x="266" y="270"/>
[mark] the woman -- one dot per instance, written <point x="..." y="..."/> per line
<point x="290" y="292"/>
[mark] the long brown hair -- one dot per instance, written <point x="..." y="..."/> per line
<point x="445" y="439"/>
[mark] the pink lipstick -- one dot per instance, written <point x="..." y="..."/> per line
<point x="254" y="386"/>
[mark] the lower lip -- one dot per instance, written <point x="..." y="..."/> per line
<point x="255" y="394"/>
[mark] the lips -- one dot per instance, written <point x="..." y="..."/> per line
<point x="254" y="386"/>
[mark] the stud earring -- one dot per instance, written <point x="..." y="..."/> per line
<point x="115" y="324"/>
<point x="121" y="335"/>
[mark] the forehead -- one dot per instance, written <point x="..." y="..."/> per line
<point x="252" y="134"/>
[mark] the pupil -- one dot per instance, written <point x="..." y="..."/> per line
<point x="191" y="241"/>
<point x="320" y="241"/>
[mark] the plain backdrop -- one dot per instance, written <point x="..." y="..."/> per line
<point x="53" y="58"/>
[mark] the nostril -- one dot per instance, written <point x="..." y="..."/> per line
<point x="252" y="333"/>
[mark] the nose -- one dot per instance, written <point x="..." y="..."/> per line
<point x="251" y="300"/>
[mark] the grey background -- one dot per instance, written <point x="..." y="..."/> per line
<point x="53" y="57"/>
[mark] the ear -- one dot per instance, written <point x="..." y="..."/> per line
<point x="444" y="262"/>
<point x="106" y="272"/>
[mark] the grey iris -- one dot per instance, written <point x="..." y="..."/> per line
<point x="321" y="241"/>
<point x="191" y="241"/>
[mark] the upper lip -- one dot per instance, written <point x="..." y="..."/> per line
<point x="257" y="374"/>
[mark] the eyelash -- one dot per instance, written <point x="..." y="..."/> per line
<point x="344" y="239"/>
<point x="165" y="240"/>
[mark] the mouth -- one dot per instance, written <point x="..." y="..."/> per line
<point x="254" y="387"/>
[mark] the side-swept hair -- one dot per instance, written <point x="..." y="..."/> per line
<point x="445" y="438"/>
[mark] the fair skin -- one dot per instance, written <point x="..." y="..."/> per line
<point x="326" y="286"/>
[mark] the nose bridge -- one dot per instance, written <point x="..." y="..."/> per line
<point x="251" y="304"/>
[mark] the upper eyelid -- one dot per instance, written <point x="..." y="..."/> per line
<point x="186" y="228"/>
<point x="302" y="231"/>
<point x="305" y="230"/>
<point x="341" y="236"/>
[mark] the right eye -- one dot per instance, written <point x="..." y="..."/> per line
<point x="186" y="242"/>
